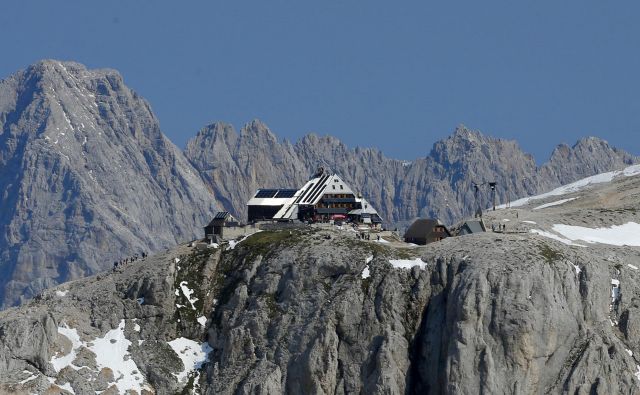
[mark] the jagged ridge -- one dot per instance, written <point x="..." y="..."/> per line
<point x="87" y="178"/>
<point x="438" y="185"/>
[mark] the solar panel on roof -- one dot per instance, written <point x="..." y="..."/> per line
<point x="286" y="193"/>
<point x="266" y="193"/>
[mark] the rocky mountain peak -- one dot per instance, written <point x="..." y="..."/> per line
<point x="87" y="176"/>
<point x="257" y="129"/>
<point x="462" y="132"/>
<point x="584" y="157"/>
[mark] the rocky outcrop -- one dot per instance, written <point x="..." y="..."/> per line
<point x="588" y="155"/>
<point x="318" y="311"/>
<point x="438" y="185"/>
<point x="113" y="331"/>
<point x="86" y="178"/>
<point x="481" y="318"/>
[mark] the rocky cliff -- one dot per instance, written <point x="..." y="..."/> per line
<point x="86" y="178"/>
<point x="316" y="310"/>
<point x="437" y="185"/>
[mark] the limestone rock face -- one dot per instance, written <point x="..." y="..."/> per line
<point x="290" y="312"/>
<point x="480" y="318"/>
<point x="588" y="155"/>
<point x="437" y="185"/>
<point x="86" y="178"/>
<point x="317" y="310"/>
<point x="236" y="165"/>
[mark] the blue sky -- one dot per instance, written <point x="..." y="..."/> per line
<point x="394" y="75"/>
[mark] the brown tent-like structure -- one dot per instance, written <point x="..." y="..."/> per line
<point x="426" y="230"/>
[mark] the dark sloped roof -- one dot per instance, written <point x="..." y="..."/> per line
<point x="275" y="193"/>
<point x="474" y="226"/>
<point x="221" y="215"/>
<point x="422" y="227"/>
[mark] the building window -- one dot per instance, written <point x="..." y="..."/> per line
<point x="334" y="187"/>
<point x="341" y="186"/>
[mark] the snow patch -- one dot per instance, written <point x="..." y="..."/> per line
<point x="555" y="237"/>
<point x="618" y="235"/>
<point x="578" y="185"/>
<point x="634" y="267"/>
<point x="556" y="203"/>
<point x="234" y="243"/>
<point x="112" y="351"/>
<point x="530" y="222"/>
<point x="407" y="263"/>
<point x="62" y="294"/>
<point x="30" y="378"/>
<point x="202" y="321"/>
<point x="187" y="292"/>
<point x="192" y="354"/>
<point x="63" y="361"/>
<point x="365" y="272"/>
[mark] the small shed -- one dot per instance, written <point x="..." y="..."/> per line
<point x="216" y="227"/>
<point x="426" y="230"/>
<point x="472" y="226"/>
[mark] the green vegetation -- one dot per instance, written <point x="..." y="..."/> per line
<point x="267" y="242"/>
<point x="549" y="254"/>
<point x="365" y="284"/>
<point x="272" y="305"/>
<point x="190" y="387"/>
<point x="192" y="272"/>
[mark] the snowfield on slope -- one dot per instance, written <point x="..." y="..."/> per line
<point x="192" y="354"/>
<point x="556" y="203"/>
<point x="407" y="263"/>
<point x="555" y="237"/>
<point x="111" y="350"/>
<point x="619" y="235"/>
<point x="578" y="185"/>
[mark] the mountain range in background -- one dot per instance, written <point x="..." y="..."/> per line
<point x="440" y="185"/>
<point x="88" y="178"/>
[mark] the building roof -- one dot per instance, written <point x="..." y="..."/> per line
<point x="221" y="215"/>
<point x="367" y="208"/>
<point x="474" y="226"/>
<point x="272" y="197"/>
<point x="315" y="188"/>
<point x="422" y="227"/>
<point x="311" y="193"/>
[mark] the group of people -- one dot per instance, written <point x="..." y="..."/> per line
<point x="500" y="228"/>
<point x="128" y="260"/>
<point x="365" y="236"/>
